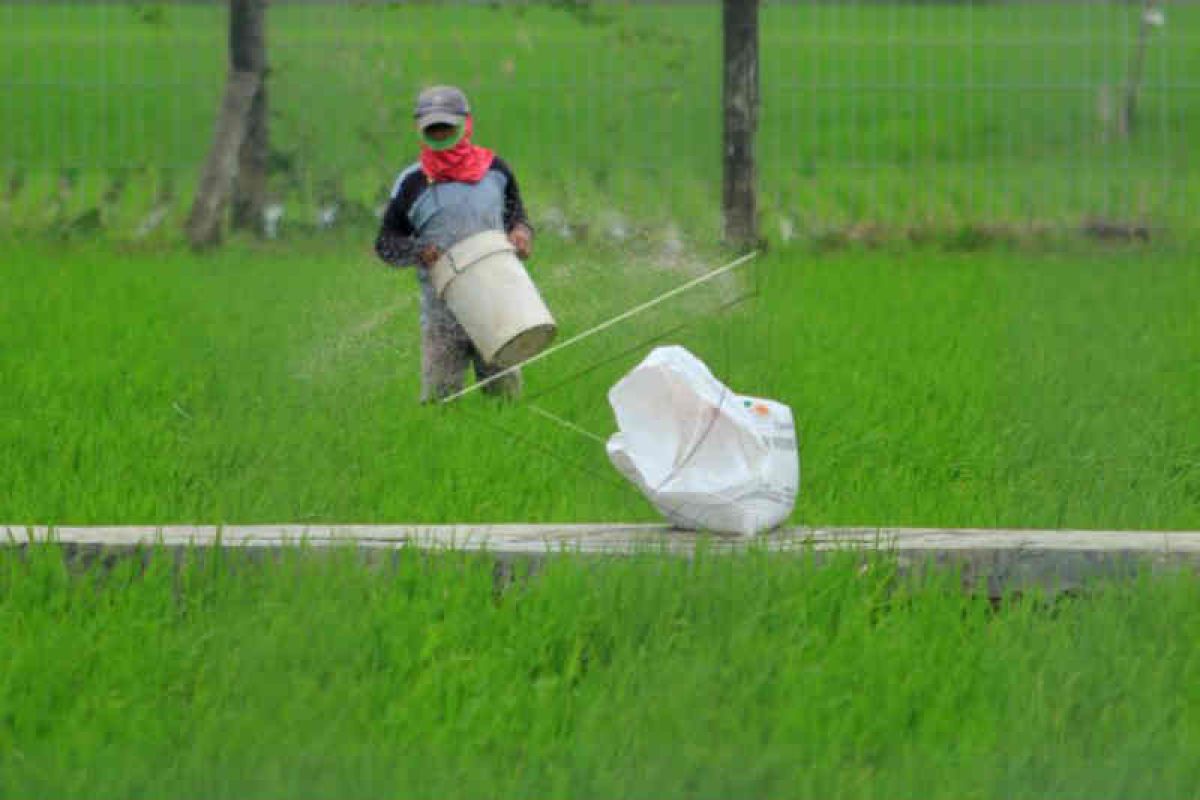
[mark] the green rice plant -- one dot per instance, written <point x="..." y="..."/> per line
<point x="304" y="672"/>
<point x="1002" y="386"/>
<point x="873" y="114"/>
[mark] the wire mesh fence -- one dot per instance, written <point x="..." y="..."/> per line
<point x="875" y="117"/>
<point x="996" y="113"/>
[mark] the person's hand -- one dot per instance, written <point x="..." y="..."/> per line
<point x="429" y="254"/>
<point x="522" y="239"/>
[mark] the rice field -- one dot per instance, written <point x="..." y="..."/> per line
<point x="279" y="383"/>
<point x="733" y="676"/>
<point x="949" y="361"/>
<point x="897" y="116"/>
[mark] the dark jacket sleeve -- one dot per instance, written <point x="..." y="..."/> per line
<point x="514" y="206"/>
<point x="396" y="243"/>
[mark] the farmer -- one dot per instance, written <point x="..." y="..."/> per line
<point x="455" y="190"/>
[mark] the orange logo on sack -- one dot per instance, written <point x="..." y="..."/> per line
<point x="762" y="409"/>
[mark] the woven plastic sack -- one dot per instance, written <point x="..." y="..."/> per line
<point x="707" y="458"/>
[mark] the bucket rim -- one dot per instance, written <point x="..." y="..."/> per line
<point x="464" y="254"/>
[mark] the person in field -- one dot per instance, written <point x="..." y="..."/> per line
<point x="454" y="190"/>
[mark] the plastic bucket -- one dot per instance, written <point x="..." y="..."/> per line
<point x="487" y="288"/>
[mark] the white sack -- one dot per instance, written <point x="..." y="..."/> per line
<point x="707" y="458"/>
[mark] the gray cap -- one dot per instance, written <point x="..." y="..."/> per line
<point x="441" y="104"/>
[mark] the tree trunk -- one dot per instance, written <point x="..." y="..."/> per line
<point x="250" y="185"/>
<point x="220" y="169"/>
<point x="740" y="101"/>
<point x="248" y="53"/>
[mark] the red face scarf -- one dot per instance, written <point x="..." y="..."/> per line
<point x="464" y="162"/>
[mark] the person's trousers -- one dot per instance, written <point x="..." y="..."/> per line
<point x="447" y="353"/>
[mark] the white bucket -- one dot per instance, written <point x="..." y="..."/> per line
<point x="486" y="286"/>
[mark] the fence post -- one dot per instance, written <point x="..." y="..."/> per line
<point x="740" y="102"/>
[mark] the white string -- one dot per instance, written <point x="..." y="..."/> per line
<point x="566" y="423"/>
<point x="606" y="324"/>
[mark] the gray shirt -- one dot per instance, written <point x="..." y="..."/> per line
<point x="421" y="212"/>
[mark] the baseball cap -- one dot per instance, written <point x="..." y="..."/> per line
<point x="441" y="104"/>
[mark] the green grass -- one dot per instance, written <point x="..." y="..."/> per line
<point x="274" y="383"/>
<point x="898" y="115"/>
<point x="955" y="385"/>
<point x="728" y="676"/>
